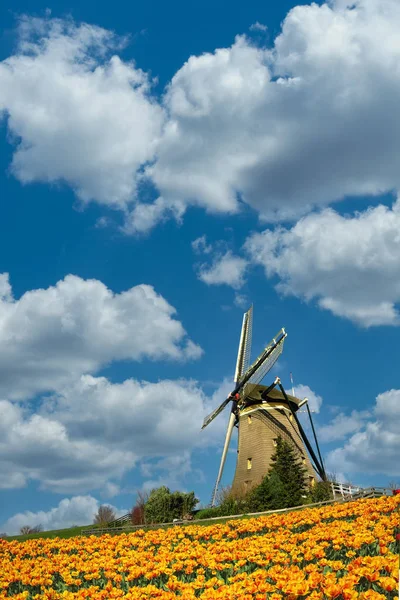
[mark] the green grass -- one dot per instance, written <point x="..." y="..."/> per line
<point x="60" y="533"/>
<point x="76" y="531"/>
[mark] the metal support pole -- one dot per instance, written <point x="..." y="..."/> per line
<point x="320" y="470"/>
<point x="265" y="393"/>
<point x="315" y="437"/>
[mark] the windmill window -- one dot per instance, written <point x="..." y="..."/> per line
<point x="304" y="460"/>
<point x="312" y="481"/>
<point x="249" y="419"/>
<point x="249" y="460"/>
<point x="275" y="442"/>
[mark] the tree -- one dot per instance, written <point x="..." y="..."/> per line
<point x="163" y="506"/>
<point x="285" y="483"/>
<point x="321" y="492"/>
<point x="269" y="495"/>
<point x="285" y="464"/>
<point x="393" y="485"/>
<point x="138" y="511"/>
<point x="104" y="515"/>
<point x="27" y="529"/>
<point x="230" y="503"/>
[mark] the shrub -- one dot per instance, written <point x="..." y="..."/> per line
<point x="162" y="506"/>
<point x="208" y="513"/>
<point x="230" y="503"/>
<point x="321" y="492"/>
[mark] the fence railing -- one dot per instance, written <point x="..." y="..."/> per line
<point x="341" y="493"/>
<point x="339" y="489"/>
<point x="352" y="492"/>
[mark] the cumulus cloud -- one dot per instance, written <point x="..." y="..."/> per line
<point x="76" y="112"/>
<point x="92" y="432"/>
<point x="374" y="449"/>
<point x="41" y="449"/>
<point x="303" y="124"/>
<point x="170" y="471"/>
<point x="350" y="264"/>
<point x="225" y="269"/>
<point x="343" y="425"/>
<point x="314" y="400"/>
<point x="78" y="510"/>
<point x="51" y="335"/>
<point x="145" y="216"/>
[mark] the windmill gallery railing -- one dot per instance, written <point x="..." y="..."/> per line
<point x="341" y="493"/>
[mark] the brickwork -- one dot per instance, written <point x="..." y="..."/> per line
<point x="256" y="443"/>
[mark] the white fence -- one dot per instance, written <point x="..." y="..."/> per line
<point x="349" y="492"/>
<point x="341" y="493"/>
<point x="339" y="489"/>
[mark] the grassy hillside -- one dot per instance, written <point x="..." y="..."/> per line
<point x="74" y="531"/>
<point x="60" y="533"/>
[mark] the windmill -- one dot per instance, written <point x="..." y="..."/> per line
<point x="262" y="414"/>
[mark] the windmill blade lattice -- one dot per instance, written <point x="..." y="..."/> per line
<point x="244" y="350"/>
<point x="267" y="364"/>
<point x="215" y="413"/>
<point x="266" y="360"/>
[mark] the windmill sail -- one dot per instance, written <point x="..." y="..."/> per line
<point x="265" y="361"/>
<point x="228" y="436"/>
<point x="258" y="370"/>
<point x="243" y="358"/>
<point x="215" y="413"/>
<point x="268" y="363"/>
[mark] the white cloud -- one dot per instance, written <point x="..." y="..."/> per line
<point x="258" y="27"/>
<point x="375" y="448"/>
<point x="200" y="245"/>
<point x="111" y="490"/>
<point x="76" y="112"/>
<point x="349" y="264"/>
<point x="304" y="124"/>
<point x="171" y="470"/>
<point x="39" y="448"/>
<point x="314" y="400"/>
<point x="226" y="269"/>
<point x="241" y="301"/>
<point x="342" y="425"/>
<point x="78" y="510"/>
<point x="49" y="336"/>
<point x="144" y="217"/>
<point x="93" y="432"/>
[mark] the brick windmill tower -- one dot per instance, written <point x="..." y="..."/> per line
<point x="262" y="414"/>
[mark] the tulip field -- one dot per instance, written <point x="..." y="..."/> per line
<point x="341" y="551"/>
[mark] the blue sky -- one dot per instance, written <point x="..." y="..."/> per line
<point x="155" y="185"/>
